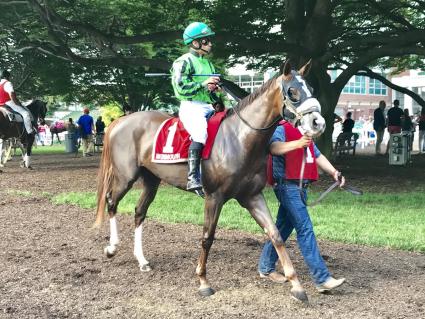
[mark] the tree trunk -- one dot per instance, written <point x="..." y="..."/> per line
<point x="328" y="98"/>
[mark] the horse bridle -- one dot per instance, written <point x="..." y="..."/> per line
<point x="287" y="103"/>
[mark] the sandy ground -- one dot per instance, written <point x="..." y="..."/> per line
<point x="52" y="264"/>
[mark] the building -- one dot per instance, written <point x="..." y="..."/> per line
<point x="361" y="96"/>
<point x="413" y="80"/>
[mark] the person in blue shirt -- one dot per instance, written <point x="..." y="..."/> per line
<point x="288" y="147"/>
<point x="86" y="126"/>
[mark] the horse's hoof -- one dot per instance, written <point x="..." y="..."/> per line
<point x="145" y="268"/>
<point x="206" y="292"/>
<point x="299" y="295"/>
<point x="110" y="251"/>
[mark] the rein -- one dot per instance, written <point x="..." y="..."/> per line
<point x="351" y="189"/>
<point x="257" y="128"/>
<point x="286" y="104"/>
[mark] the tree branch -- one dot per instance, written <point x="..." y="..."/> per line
<point x="369" y="73"/>
<point x="369" y="57"/>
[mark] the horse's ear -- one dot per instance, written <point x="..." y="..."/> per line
<point x="286" y="68"/>
<point x="305" y="69"/>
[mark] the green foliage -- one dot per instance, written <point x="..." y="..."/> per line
<point x="97" y="51"/>
<point x="110" y="112"/>
<point x="386" y="220"/>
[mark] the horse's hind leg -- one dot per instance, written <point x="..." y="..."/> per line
<point x="150" y="185"/>
<point x="121" y="185"/>
<point x="258" y="209"/>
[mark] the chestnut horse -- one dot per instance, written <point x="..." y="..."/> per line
<point x="9" y="129"/>
<point x="236" y="168"/>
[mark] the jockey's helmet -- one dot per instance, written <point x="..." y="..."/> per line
<point x="196" y="30"/>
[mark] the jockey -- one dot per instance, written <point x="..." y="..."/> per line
<point x="8" y="97"/>
<point x="196" y="93"/>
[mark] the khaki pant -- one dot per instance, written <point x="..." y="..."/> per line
<point x="379" y="138"/>
<point x="87" y="144"/>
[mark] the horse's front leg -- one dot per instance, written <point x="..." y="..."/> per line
<point x="213" y="205"/>
<point x="258" y="209"/>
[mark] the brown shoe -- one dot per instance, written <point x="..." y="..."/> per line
<point x="275" y="277"/>
<point x="330" y="284"/>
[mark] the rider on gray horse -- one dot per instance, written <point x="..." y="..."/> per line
<point x="8" y="97"/>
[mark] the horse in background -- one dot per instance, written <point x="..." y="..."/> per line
<point x="56" y="128"/>
<point x="236" y="167"/>
<point x="9" y="129"/>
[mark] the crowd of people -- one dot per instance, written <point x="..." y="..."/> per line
<point x="394" y="120"/>
<point x="82" y="132"/>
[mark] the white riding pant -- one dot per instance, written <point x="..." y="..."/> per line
<point x="193" y="116"/>
<point x="26" y="115"/>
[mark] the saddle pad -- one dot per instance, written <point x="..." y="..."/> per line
<point x="12" y="115"/>
<point x="172" y="141"/>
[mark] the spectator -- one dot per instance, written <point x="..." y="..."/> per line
<point x="42" y="132"/>
<point x="421" y="124"/>
<point x="394" y="117"/>
<point x="407" y="127"/>
<point x="379" y="125"/>
<point x="73" y="132"/>
<point x="348" y="124"/>
<point x="288" y="146"/>
<point x="86" y="125"/>
<point x="100" y="126"/>
<point x="100" y="133"/>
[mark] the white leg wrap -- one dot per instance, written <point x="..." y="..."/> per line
<point x="138" y="250"/>
<point x="113" y="238"/>
<point x="27" y="160"/>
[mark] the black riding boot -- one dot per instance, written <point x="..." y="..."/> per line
<point x="193" y="180"/>
<point x="193" y="174"/>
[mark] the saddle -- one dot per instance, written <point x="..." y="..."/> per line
<point x="11" y="114"/>
<point x="172" y="141"/>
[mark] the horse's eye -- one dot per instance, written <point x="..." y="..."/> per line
<point x="294" y="94"/>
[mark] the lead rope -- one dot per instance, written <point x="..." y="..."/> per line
<point x="300" y="185"/>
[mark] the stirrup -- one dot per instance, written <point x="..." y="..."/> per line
<point x="193" y="185"/>
<point x="199" y="192"/>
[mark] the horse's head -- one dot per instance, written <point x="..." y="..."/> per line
<point x="300" y="107"/>
<point x="38" y="109"/>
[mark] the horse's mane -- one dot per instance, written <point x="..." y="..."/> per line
<point x="254" y="95"/>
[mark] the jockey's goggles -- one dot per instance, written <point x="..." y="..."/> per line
<point x="205" y="41"/>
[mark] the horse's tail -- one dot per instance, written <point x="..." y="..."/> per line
<point x="105" y="176"/>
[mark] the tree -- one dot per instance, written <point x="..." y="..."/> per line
<point x="131" y="37"/>
<point x="352" y="36"/>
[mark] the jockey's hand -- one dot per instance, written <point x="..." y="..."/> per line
<point x="337" y="176"/>
<point x="304" y="141"/>
<point x="211" y="83"/>
<point x="218" y="107"/>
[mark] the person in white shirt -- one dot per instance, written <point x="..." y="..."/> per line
<point x="8" y="97"/>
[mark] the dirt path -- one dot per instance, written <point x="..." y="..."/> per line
<point x="52" y="265"/>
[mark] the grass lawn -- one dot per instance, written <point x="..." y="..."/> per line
<point x="375" y="219"/>
<point x="54" y="149"/>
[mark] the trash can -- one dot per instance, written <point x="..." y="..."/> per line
<point x="70" y="145"/>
